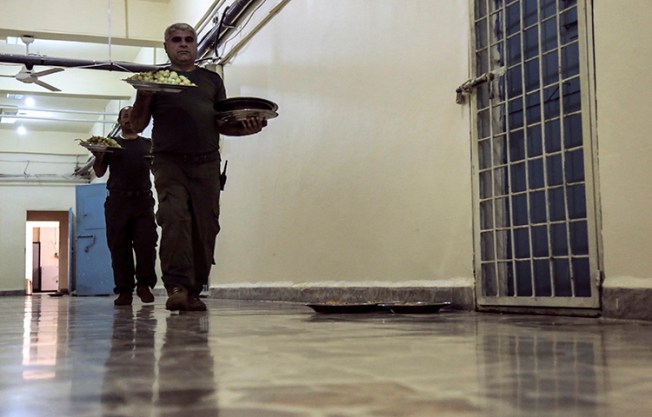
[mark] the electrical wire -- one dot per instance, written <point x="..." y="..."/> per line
<point x="109" y="29"/>
<point x="216" y="50"/>
<point x="242" y="26"/>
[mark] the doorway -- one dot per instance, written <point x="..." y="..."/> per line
<point x="44" y="259"/>
<point x="47" y="252"/>
<point x="536" y="240"/>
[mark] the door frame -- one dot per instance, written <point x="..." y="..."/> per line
<point x="593" y="215"/>
<point x="65" y="261"/>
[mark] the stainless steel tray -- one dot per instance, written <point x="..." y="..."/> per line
<point x="158" y="87"/>
<point x="239" y="115"/>
<point x="99" y="148"/>
<point x="236" y="103"/>
<point x="345" y="308"/>
<point x="418" y="307"/>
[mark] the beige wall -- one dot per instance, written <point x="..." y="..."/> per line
<point x="15" y="202"/>
<point x="623" y="82"/>
<point x="89" y="19"/>
<point x="365" y="175"/>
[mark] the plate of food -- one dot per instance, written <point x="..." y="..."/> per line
<point x="238" y="103"/>
<point x="158" y="87"/>
<point x="238" y="115"/>
<point x="162" y="81"/>
<point x="342" y="307"/>
<point x="417" y="307"/>
<point x="100" y="144"/>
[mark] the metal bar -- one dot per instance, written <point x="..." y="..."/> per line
<point x="34" y="109"/>
<point x="53" y="119"/>
<point x="233" y="51"/>
<point x="77" y="63"/>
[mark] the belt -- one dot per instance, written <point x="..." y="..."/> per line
<point x="191" y="158"/>
<point x="125" y="193"/>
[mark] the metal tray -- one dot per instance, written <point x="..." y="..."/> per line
<point x="99" y="148"/>
<point x="418" y="307"/>
<point x="346" y="308"/>
<point x="236" y="103"/>
<point x="239" y="115"/>
<point x="158" y="87"/>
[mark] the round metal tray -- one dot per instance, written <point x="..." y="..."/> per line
<point x="237" y="103"/>
<point x="158" y="87"/>
<point x="345" y="308"/>
<point x="418" y="307"/>
<point x="239" y="115"/>
<point x="99" y="148"/>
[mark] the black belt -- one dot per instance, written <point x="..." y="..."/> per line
<point x="124" y="193"/>
<point x="190" y="158"/>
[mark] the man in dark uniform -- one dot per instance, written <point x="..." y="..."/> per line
<point x="129" y="213"/>
<point x="186" y="168"/>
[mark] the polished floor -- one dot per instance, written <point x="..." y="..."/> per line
<point x="81" y="356"/>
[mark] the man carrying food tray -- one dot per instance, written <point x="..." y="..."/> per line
<point x="186" y="167"/>
<point x="129" y="212"/>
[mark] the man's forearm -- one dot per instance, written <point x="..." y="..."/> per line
<point x="141" y="112"/>
<point x="246" y="127"/>
<point x="99" y="166"/>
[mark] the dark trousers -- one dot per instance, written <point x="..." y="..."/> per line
<point x="188" y="213"/>
<point x="131" y="229"/>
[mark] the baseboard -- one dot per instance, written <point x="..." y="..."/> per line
<point x="12" y="292"/>
<point x="461" y="298"/>
<point x="627" y="303"/>
<point x="617" y="303"/>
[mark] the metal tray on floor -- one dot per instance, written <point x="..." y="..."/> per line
<point x="338" y="307"/>
<point x="418" y="307"/>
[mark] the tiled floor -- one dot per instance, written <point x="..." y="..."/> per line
<point x="81" y="356"/>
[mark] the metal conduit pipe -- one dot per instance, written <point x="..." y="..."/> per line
<point x="31" y="60"/>
<point x="229" y="21"/>
<point x="232" y="15"/>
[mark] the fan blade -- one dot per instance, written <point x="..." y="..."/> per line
<point x="47" y="72"/>
<point x="8" y="76"/>
<point x="46" y="85"/>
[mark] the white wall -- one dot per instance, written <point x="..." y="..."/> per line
<point x="15" y="201"/>
<point x="93" y="19"/>
<point x="365" y="175"/>
<point x="623" y="82"/>
<point x="49" y="238"/>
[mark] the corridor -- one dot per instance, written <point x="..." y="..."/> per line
<point x="81" y="356"/>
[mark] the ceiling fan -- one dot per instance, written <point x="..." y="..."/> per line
<point x="27" y="74"/>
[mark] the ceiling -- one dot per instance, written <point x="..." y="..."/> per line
<point x="85" y="93"/>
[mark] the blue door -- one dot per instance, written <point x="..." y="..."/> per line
<point x="93" y="272"/>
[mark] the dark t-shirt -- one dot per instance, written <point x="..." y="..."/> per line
<point x="184" y="123"/>
<point x="129" y="167"/>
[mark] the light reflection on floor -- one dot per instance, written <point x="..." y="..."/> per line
<point x="81" y="356"/>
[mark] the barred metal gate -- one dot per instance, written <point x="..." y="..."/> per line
<point x="535" y="219"/>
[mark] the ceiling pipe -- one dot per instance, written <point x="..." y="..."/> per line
<point x="31" y="60"/>
<point x="232" y="16"/>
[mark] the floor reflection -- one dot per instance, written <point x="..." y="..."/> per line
<point x="40" y="340"/>
<point x="543" y="369"/>
<point x="130" y="367"/>
<point x="82" y="357"/>
<point x="185" y="368"/>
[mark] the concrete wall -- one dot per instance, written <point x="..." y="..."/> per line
<point x="624" y="108"/>
<point x="364" y="178"/>
<point x="623" y="81"/>
<point x="16" y="200"/>
<point x="137" y="22"/>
